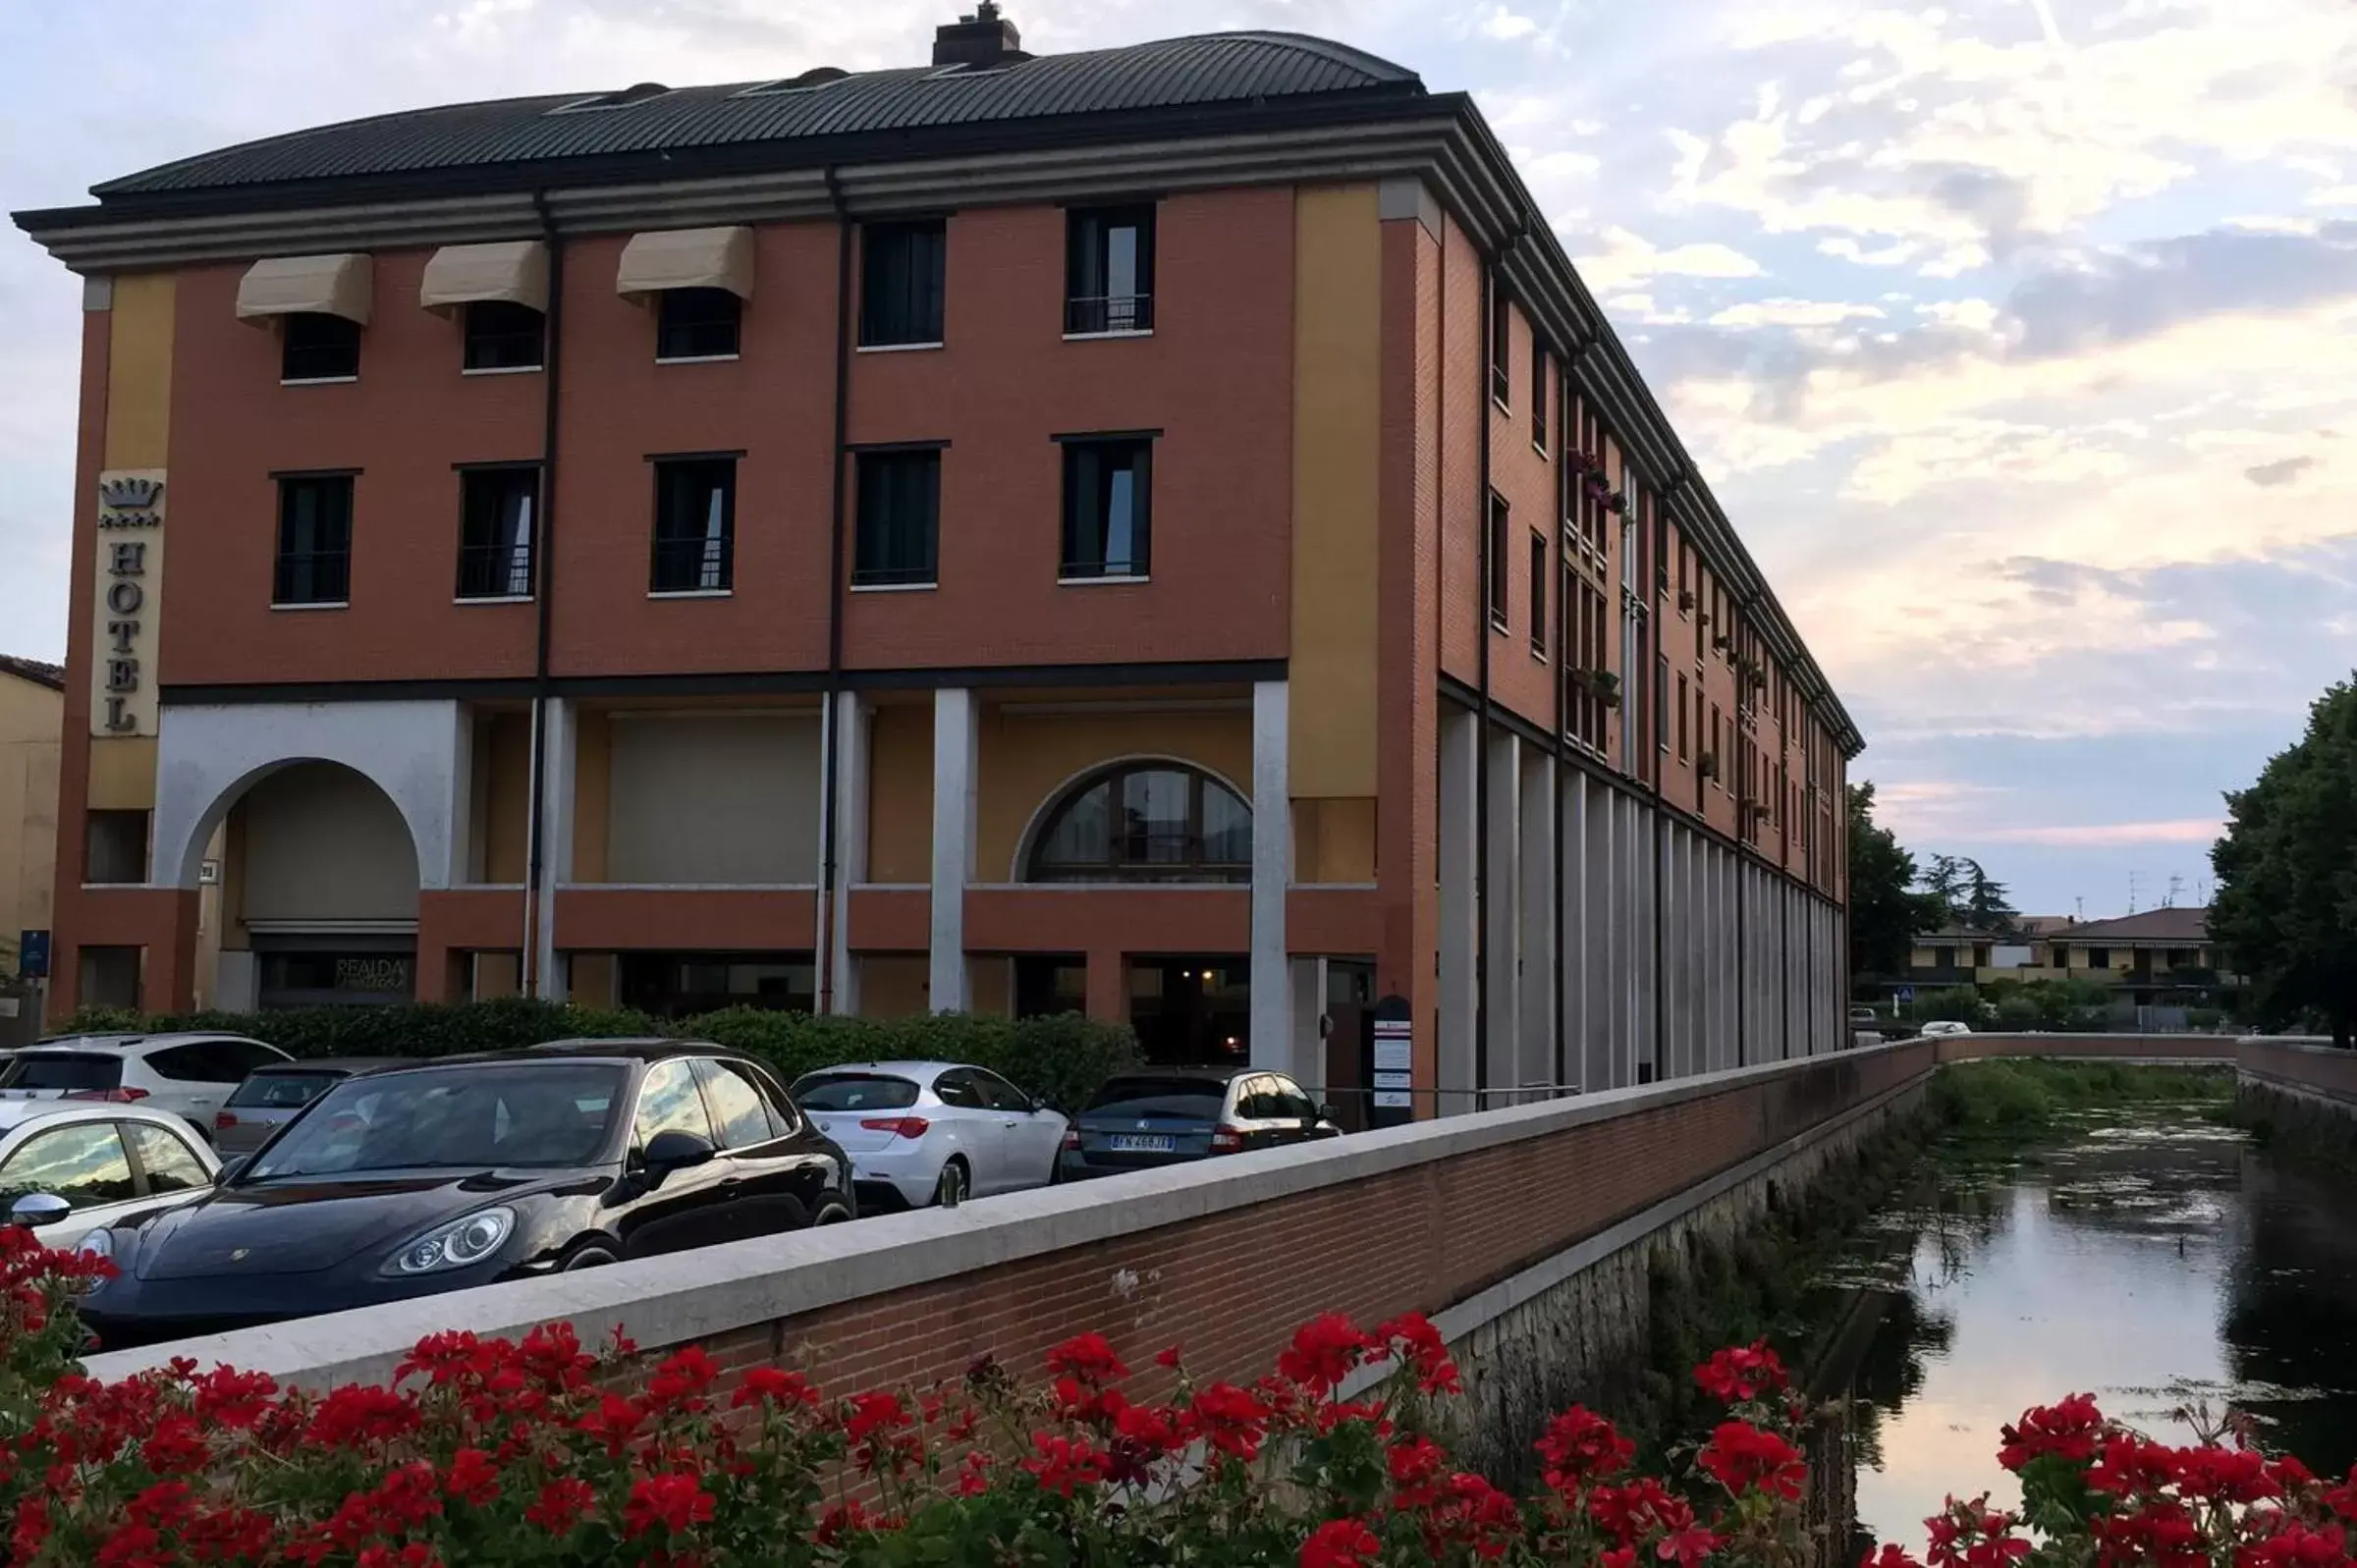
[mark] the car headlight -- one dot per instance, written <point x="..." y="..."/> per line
<point x="98" y="1244"/>
<point x="455" y="1246"/>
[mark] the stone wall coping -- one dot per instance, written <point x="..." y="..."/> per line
<point x="687" y="1297"/>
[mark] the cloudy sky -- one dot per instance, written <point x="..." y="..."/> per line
<point x="2019" y="337"/>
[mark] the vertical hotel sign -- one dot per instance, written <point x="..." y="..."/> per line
<point x="131" y="562"/>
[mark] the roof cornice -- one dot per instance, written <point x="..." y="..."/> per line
<point x="1440" y="139"/>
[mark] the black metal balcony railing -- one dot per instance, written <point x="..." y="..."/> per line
<point x="495" y="571"/>
<point x="894" y="576"/>
<point x="694" y="566"/>
<point x="1117" y="312"/>
<point x="313" y="577"/>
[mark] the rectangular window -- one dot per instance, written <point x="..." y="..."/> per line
<point x="899" y="519"/>
<point x="1538" y="596"/>
<point x="1660" y="702"/>
<point x="497" y="512"/>
<point x="1501" y="569"/>
<point x="1719" y="740"/>
<point x="903" y="283"/>
<point x="695" y="525"/>
<point x="1501" y="344"/>
<point x="1108" y="490"/>
<point x="2099" y="958"/>
<point x="502" y="335"/>
<point x="319" y="347"/>
<point x="314" y="541"/>
<point x="697" y="324"/>
<point x="110" y="977"/>
<point x="1682" y="751"/>
<point x="1109" y="270"/>
<point x="1686" y="572"/>
<point x="114" y="846"/>
<point x="1538" y="395"/>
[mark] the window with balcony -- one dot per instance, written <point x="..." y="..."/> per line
<point x="1538" y="397"/>
<point x="313" y="566"/>
<point x="695" y="525"/>
<point x="1502" y="345"/>
<point x="1146" y="822"/>
<point x="497" y="511"/>
<point x="899" y="519"/>
<point x="1108" y="489"/>
<point x="1109" y="271"/>
<point x="902" y="283"/>
<point x="318" y="347"/>
<point x="1538" y="596"/>
<point x="1501" y="566"/>
<point x="502" y="335"/>
<point x="697" y="324"/>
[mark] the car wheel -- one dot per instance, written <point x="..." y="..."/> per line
<point x="588" y="1258"/>
<point x="831" y="1210"/>
<point x="954" y="1186"/>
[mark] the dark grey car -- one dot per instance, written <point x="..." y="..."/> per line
<point x="1168" y="1116"/>
<point x="270" y="1097"/>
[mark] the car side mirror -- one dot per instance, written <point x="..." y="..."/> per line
<point x="1039" y="1104"/>
<point x="675" y="1150"/>
<point x="231" y="1170"/>
<point x="37" y="1209"/>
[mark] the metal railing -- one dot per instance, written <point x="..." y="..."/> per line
<point x="311" y="578"/>
<point x="1113" y="312"/>
<point x="495" y="571"/>
<point x="699" y="565"/>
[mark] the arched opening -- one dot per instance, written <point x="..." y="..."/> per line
<point x="318" y="879"/>
<point x="1154" y="821"/>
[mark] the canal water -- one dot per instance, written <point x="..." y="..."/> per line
<point x="2155" y="1259"/>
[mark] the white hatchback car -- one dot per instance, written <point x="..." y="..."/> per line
<point x="921" y="1132"/>
<point x="67" y="1171"/>
<point x="1944" y="1026"/>
<point x="190" y="1075"/>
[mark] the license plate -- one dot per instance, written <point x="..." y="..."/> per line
<point x="1141" y="1143"/>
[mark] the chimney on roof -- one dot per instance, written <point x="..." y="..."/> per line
<point x="985" y="38"/>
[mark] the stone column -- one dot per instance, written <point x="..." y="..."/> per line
<point x="559" y="736"/>
<point x="1502" y="920"/>
<point x="1534" y="1061"/>
<point x="1460" y="735"/>
<point x="851" y="753"/>
<point x="957" y="738"/>
<point x="1272" y="1014"/>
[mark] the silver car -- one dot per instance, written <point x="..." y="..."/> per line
<point x="68" y="1170"/>
<point x="272" y="1095"/>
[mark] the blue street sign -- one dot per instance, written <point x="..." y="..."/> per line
<point x="32" y="955"/>
<point x="1903" y="994"/>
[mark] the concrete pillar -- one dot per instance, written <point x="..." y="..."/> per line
<point x="1597" y="876"/>
<point x="1460" y="735"/>
<point x="559" y="738"/>
<point x="1502" y="920"/>
<point x="955" y="737"/>
<point x="1534" y="1061"/>
<point x="851" y="721"/>
<point x="1108" y="985"/>
<point x="1572" y="940"/>
<point x="1272" y="1014"/>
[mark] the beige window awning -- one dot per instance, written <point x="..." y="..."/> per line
<point x="300" y="286"/>
<point x="515" y="271"/>
<point x="687" y="258"/>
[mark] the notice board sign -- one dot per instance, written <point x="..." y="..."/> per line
<point x="1391" y="1065"/>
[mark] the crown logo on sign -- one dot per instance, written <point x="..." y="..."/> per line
<point x="134" y="493"/>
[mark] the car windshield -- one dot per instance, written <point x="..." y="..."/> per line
<point x="64" y="1070"/>
<point x="281" y="1091"/>
<point x="527" y="1114"/>
<point x="1171" y="1099"/>
<point x="855" y="1091"/>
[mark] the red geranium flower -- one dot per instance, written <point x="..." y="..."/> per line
<point x="1340" y="1543"/>
<point x="783" y="1390"/>
<point x="1062" y="1464"/>
<point x="1088" y="1358"/>
<point x="1233" y="1420"/>
<point x="562" y="1504"/>
<point x="1580" y="1447"/>
<point x="472" y="1476"/>
<point x="673" y="1502"/>
<point x="2070" y="1429"/>
<point x="1322" y="1353"/>
<point x="1740" y="1372"/>
<point x="1742" y="1458"/>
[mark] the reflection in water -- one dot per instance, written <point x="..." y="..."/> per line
<point x="2156" y="1262"/>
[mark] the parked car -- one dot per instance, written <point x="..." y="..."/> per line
<point x="67" y="1171"/>
<point x="922" y="1132"/>
<point x="188" y="1075"/>
<point x="1166" y="1115"/>
<point x="270" y="1097"/>
<point x="1944" y="1026"/>
<point x="441" y="1175"/>
<point x="1862" y="1016"/>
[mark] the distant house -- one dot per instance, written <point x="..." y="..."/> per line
<point x="33" y="709"/>
<point x="2159" y="958"/>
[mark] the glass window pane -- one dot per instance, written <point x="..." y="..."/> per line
<point x="1154" y="818"/>
<point x="736" y="1105"/>
<point x="668" y="1101"/>
<point x="1078" y="836"/>
<point x="1226" y="827"/>
<point x="171" y="1164"/>
<point x="84" y="1165"/>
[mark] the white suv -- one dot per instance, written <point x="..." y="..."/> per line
<point x="187" y="1076"/>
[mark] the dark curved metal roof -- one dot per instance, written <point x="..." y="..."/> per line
<point x="1212" y="69"/>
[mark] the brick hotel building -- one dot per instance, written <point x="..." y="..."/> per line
<point x="1161" y="531"/>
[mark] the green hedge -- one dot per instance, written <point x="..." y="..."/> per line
<point x="1062" y="1059"/>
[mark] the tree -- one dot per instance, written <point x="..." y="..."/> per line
<point x="1967" y="896"/>
<point x="2286" y="909"/>
<point x="1884" y="913"/>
